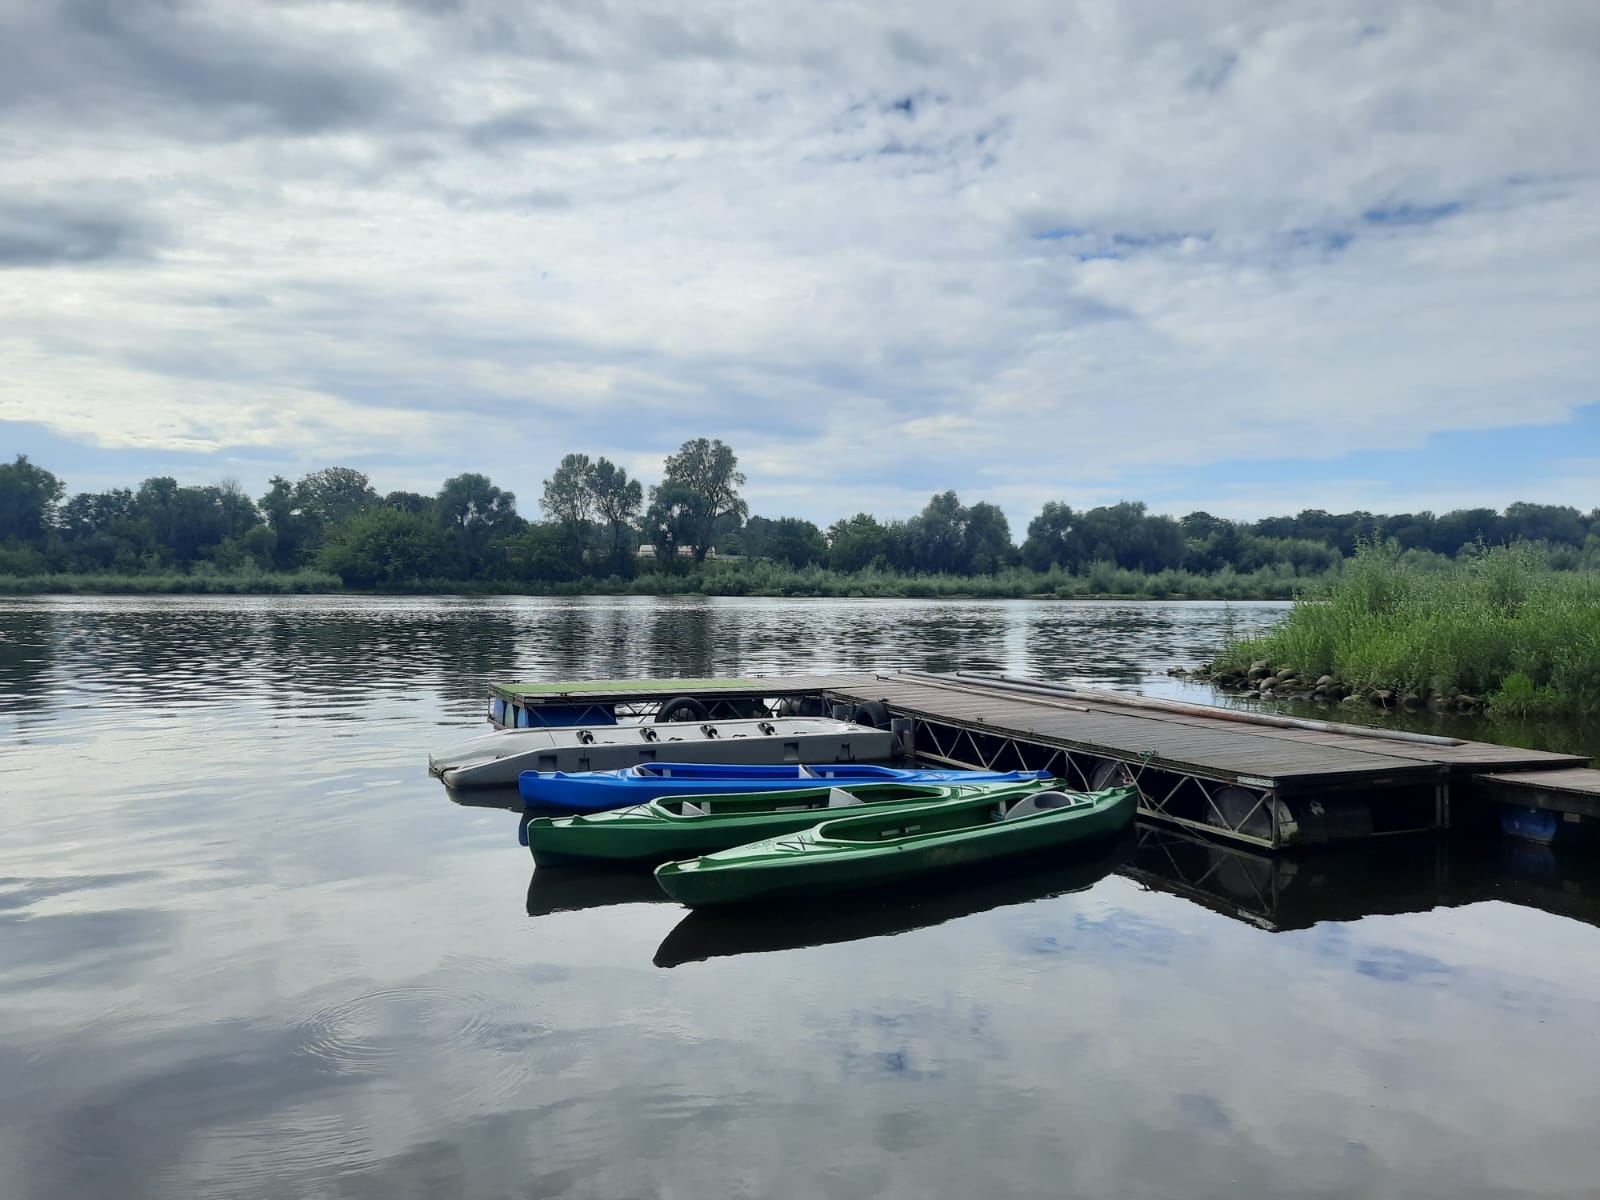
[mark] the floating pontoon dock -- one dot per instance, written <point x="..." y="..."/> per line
<point x="1255" y="778"/>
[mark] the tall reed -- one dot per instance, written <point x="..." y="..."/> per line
<point x="1497" y="623"/>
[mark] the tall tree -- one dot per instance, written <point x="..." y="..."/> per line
<point x="472" y="502"/>
<point x="384" y="547"/>
<point x="938" y="535"/>
<point x="1054" y="539"/>
<point x="568" y="498"/>
<point x="988" y="540"/>
<point x="1464" y="526"/>
<point x="856" y="542"/>
<point x="541" y="552"/>
<point x="89" y="513"/>
<point x="1126" y="534"/>
<point x="333" y="495"/>
<point x="473" y="512"/>
<point x="1544" y="522"/>
<point x="705" y="476"/>
<point x="1211" y="543"/>
<point x="617" y="499"/>
<point x="97" y="530"/>
<point x="670" y="521"/>
<point x="28" y="499"/>
<point x="301" y="514"/>
<point x="794" y="541"/>
<point x="187" y="524"/>
<point x="291" y="528"/>
<point x="410" y="502"/>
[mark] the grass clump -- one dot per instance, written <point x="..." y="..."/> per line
<point x="1497" y="623"/>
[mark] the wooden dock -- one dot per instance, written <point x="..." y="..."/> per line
<point x="1574" y="791"/>
<point x="1256" y="779"/>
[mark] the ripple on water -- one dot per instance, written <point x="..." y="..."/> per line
<point x="301" y="1144"/>
<point x="450" y="1038"/>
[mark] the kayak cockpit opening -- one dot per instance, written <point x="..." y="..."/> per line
<point x="890" y="828"/>
<point x="1037" y="802"/>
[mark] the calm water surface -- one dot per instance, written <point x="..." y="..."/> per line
<point x="248" y="948"/>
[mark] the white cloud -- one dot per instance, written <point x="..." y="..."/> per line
<point x="481" y="237"/>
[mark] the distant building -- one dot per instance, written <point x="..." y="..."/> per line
<point x="648" y="550"/>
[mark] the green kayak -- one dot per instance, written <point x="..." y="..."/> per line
<point x="667" y="828"/>
<point x="913" y="904"/>
<point x="880" y="847"/>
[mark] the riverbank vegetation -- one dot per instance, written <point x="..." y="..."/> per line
<point x="692" y="533"/>
<point x="1498" y="625"/>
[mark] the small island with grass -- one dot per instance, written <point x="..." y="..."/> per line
<point x="1495" y="628"/>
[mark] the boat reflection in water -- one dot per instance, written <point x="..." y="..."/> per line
<point x="567" y="889"/>
<point x="507" y="797"/>
<point x="714" y="933"/>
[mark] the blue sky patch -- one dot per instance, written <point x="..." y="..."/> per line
<point x="1411" y="214"/>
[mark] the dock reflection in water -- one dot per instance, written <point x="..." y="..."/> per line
<point x="1407" y="874"/>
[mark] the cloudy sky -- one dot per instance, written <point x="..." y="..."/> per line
<point x="1241" y="255"/>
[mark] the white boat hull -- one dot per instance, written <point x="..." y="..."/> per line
<point x="497" y="759"/>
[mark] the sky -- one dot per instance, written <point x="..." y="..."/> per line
<point x="1246" y="256"/>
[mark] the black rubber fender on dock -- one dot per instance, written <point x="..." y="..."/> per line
<point x="874" y="713"/>
<point x="682" y="708"/>
<point x="801" y="706"/>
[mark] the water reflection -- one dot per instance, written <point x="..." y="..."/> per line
<point x="220" y="651"/>
<point x="248" y="948"/>
<point x="1566" y="884"/>
<point x="679" y="641"/>
<point x="849" y="917"/>
<point x="216" y="652"/>
<point x="28" y="645"/>
<point x="944" y="640"/>
<point x="1413" y="873"/>
<point x="1273" y="893"/>
<point x="568" y="889"/>
<point x="1280" y="892"/>
<point x="1110" y="644"/>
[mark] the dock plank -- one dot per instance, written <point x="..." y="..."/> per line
<point x="1573" y="790"/>
<point x="1223" y="752"/>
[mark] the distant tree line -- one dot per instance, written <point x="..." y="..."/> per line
<point x="596" y="518"/>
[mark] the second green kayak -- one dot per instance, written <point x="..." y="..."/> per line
<point x="677" y="828"/>
<point x="879" y="847"/>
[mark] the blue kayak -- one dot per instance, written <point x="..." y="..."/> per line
<point x="591" y="791"/>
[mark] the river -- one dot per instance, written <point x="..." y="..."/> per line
<point x="249" y="949"/>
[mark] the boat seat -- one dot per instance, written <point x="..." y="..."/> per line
<point x="806" y="772"/>
<point x="839" y="798"/>
<point x="1036" y="803"/>
<point x="690" y="809"/>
